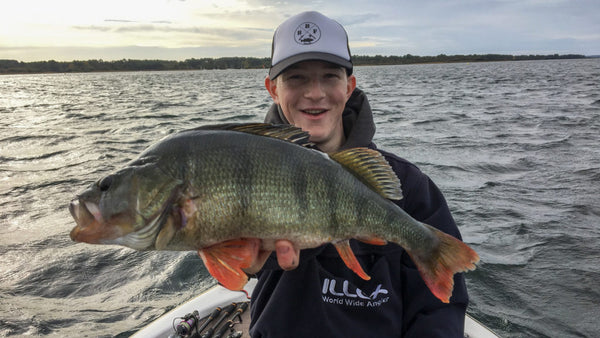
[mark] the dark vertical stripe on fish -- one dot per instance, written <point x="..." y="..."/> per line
<point x="360" y="207"/>
<point x="390" y="220"/>
<point x="245" y="181"/>
<point x="332" y="196"/>
<point x="301" y="192"/>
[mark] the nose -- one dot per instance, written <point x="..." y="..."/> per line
<point x="314" y="90"/>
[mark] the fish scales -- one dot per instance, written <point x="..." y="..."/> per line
<point x="218" y="191"/>
<point x="278" y="198"/>
<point x="247" y="183"/>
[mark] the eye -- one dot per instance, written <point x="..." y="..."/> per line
<point x="105" y="183"/>
<point x="294" y="77"/>
<point x="332" y="75"/>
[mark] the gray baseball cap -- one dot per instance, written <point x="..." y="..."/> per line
<point x="309" y="36"/>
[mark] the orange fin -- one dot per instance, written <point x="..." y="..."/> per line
<point x="226" y="260"/>
<point x="373" y="241"/>
<point x="438" y="267"/>
<point x="345" y="251"/>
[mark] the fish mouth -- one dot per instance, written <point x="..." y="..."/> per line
<point x="85" y="212"/>
<point x="91" y="226"/>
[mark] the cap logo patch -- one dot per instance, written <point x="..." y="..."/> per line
<point x="307" y="33"/>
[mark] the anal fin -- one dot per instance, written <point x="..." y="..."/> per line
<point x="345" y="251"/>
<point x="226" y="260"/>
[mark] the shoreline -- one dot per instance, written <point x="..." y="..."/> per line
<point x="13" y="67"/>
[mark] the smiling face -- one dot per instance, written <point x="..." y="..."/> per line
<point x="312" y="96"/>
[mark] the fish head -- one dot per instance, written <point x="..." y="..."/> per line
<point x="126" y="207"/>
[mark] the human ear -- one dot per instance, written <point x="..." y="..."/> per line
<point x="271" y="86"/>
<point x="351" y="85"/>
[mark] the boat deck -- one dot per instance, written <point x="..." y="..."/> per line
<point x="220" y="297"/>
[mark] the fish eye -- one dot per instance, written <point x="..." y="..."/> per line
<point x="105" y="183"/>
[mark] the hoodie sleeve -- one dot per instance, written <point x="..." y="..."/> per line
<point x="424" y="315"/>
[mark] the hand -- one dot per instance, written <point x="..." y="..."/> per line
<point x="288" y="257"/>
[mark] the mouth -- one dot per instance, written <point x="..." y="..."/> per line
<point x="85" y="213"/>
<point x="314" y="112"/>
<point x="94" y="229"/>
<point x="89" y="220"/>
<point x="91" y="226"/>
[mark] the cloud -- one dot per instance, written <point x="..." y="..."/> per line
<point x="118" y="20"/>
<point x="350" y="20"/>
<point x="70" y="53"/>
<point x="218" y="28"/>
<point x="93" y="28"/>
<point x="224" y="33"/>
<point x="175" y="36"/>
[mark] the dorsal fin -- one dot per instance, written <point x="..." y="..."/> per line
<point x="371" y="168"/>
<point x="284" y="132"/>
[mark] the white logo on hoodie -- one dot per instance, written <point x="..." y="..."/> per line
<point x="352" y="296"/>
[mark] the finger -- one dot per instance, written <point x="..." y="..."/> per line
<point x="288" y="256"/>
<point x="261" y="258"/>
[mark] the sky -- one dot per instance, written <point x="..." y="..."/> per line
<point x="66" y="30"/>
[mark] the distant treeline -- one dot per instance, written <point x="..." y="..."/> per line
<point x="443" y="58"/>
<point x="17" y="67"/>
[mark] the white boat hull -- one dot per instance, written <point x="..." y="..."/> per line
<point x="219" y="296"/>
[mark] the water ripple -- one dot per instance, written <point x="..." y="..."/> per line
<point x="513" y="146"/>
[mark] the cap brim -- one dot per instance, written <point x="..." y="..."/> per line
<point x="283" y="64"/>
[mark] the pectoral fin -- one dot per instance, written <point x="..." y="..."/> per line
<point x="345" y="251"/>
<point x="226" y="260"/>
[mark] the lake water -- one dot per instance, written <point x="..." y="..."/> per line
<point x="514" y="146"/>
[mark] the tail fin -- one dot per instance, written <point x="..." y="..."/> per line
<point x="437" y="267"/>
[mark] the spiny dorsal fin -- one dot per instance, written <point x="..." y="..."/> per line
<point x="284" y="132"/>
<point x="372" y="169"/>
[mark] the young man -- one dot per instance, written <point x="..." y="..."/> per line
<point x="314" y="294"/>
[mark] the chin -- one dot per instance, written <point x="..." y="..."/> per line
<point x="316" y="137"/>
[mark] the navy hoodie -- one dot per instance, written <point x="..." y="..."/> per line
<point x="324" y="298"/>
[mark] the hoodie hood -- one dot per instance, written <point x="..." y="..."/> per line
<point x="357" y="118"/>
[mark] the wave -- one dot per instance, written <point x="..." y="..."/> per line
<point x="429" y="121"/>
<point x="35" y="157"/>
<point x="591" y="174"/>
<point x="23" y="189"/>
<point x="518" y="168"/>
